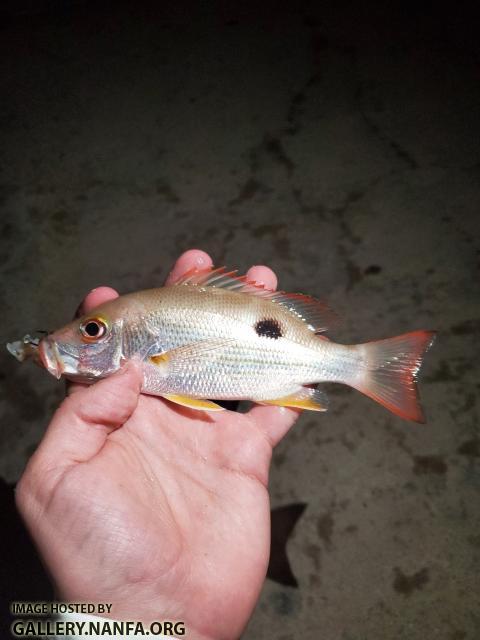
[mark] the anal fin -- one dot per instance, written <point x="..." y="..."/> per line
<point x="193" y="403"/>
<point x="308" y="398"/>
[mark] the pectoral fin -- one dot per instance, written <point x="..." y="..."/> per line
<point x="194" y="403"/>
<point x="178" y="361"/>
<point x="159" y="358"/>
<point x="182" y="357"/>
<point x="306" y="398"/>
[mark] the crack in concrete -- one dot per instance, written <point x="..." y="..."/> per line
<point x="402" y="154"/>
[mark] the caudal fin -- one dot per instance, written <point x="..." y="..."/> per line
<point x="389" y="372"/>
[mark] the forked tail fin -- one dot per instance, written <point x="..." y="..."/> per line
<point x="390" y="369"/>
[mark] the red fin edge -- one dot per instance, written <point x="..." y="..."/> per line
<point x="315" y="313"/>
<point x="390" y="372"/>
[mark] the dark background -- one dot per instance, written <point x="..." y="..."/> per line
<point x="337" y="142"/>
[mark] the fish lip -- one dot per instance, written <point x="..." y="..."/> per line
<point x="50" y="358"/>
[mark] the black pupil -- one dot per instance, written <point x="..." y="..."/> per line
<point x="92" y="329"/>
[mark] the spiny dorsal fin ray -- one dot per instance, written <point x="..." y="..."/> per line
<point x="313" y="312"/>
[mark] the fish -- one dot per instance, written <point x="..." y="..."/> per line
<point x="216" y="336"/>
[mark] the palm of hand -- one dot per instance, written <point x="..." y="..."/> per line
<point x="177" y="499"/>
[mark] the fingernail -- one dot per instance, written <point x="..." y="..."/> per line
<point x="201" y="260"/>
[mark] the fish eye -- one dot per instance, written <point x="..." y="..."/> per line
<point x="93" y="329"/>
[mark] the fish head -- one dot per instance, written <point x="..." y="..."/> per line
<point x="86" y="349"/>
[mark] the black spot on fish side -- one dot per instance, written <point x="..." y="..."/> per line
<point x="268" y="328"/>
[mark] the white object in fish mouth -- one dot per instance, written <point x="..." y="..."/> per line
<point x="25" y="348"/>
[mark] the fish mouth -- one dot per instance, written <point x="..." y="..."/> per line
<point x="50" y="357"/>
<point x="58" y="358"/>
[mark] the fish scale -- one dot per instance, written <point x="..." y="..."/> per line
<point x="214" y="335"/>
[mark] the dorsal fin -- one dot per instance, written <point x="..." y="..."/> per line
<point x="313" y="312"/>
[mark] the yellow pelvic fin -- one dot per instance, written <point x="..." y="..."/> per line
<point x="194" y="403"/>
<point x="306" y="398"/>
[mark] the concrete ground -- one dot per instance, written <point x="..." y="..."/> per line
<point x="340" y="146"/>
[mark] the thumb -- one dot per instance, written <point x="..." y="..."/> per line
<point x="80" y="426"/>
<point x="275" y="422"/>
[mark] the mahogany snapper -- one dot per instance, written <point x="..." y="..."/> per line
<point x="213" y="335"/>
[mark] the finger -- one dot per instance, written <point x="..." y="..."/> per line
<point x="263" y="275"/>
<point x="79" y="428"/>
<point x="275" y="422"/>
<point x="95" y="298"/>
<point x="191" y="259"/>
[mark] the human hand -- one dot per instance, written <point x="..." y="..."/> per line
<point x="161" y="510"/>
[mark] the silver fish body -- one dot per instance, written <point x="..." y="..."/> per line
<point x="217" y="352"/>
<point x="219" y="337"/>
